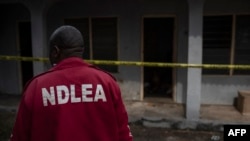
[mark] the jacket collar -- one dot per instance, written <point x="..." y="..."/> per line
<point x="70" y="63"/>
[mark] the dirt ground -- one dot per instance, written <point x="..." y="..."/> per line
<point x="6" y="123"/>
<point x="140" y="132"/>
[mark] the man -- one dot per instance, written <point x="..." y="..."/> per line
<point x="73" y="101"/>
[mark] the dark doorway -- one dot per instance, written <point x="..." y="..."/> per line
<point x="158" y="47"/>
<point x="25" y="50"/>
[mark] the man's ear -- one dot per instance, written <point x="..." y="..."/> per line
<point x="55" y="52"/>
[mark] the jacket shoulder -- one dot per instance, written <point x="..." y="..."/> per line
<point x="33" y="78"/>
<point x="97" y="68"/>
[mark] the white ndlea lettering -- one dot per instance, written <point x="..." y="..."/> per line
<point x="63" y="94"/>
<point x="99" y="93"/>
<point x="74" y="99"/>
<point x="86" y="90"/>
<point x="48" y="97"/>
<point x="235" y="132"/>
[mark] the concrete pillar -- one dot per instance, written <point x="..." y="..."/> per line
<point x="194" y="57"/>
<point x="38" y="32"/>
<point x="38" y="11"/>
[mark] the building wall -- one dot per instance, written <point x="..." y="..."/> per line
<point x="224" y="89"/>
<point x="10" y="81"/>
<point x="215" y="89"/>
<point x="130" y="15"/>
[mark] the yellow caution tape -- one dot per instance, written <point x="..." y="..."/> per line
<point x="20" y="58"/>
<point x="134" y="63"/>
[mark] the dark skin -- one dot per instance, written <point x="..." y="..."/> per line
<point x="58" y="54"/>
<point x="65" y="42"/>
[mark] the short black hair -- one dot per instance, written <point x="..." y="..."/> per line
<point x="66" y="36"/>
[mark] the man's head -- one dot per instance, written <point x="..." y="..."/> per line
<point x="66" y="41"/>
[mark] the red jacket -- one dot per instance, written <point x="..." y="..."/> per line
<point x="74" y="101"/>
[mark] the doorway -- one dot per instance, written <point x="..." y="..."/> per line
<point x="24" y="31"/>
<point x="158" y="45"/>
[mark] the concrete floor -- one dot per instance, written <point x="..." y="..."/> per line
<point x="164" y="113"/>
<point x="159" y="119"/>
<point x="160" y="112"/>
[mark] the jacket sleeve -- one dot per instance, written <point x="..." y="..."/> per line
<point x="22" y="127"/>
<point x="121" y="113"/>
